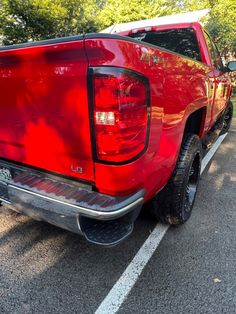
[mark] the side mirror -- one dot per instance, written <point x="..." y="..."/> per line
<point x="231" y="66"/>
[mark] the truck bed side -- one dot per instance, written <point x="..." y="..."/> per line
<point x="178" y="87"/>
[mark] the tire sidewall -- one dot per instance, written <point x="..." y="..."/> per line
<point x="186" y="209"/>
<point x="230" y="108"/>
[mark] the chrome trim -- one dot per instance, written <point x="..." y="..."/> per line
<point x="78" y="223"/>
<point x="4" y="201"/>
<point x="86" y="211"/>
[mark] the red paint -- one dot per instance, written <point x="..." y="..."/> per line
<point x="45" y="108"/>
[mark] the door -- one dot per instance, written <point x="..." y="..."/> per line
<point x="221" y="80"/>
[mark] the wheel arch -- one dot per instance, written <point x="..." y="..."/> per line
<point x="195" y="122"/>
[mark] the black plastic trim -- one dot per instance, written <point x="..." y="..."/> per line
<point x="90" y="36"/>
<point x="130" y="39"/>
<point x="52" y="41"/>
<point x="90" y="90"/>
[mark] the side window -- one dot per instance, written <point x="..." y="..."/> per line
<point x="182" y="41"/>
<point x="215" y="55"/>
<point x="218" y="60"/>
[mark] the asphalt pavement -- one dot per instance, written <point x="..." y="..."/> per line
<point x="44" y="269"/>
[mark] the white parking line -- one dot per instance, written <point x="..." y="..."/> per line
<point x="119" y="292"/>
<point x="207" y="158"/>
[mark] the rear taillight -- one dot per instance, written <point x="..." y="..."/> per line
<point x="120" y="113"/>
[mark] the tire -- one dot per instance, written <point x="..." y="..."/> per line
<point x="173" y="205"/>
<point x="228" y="116"/>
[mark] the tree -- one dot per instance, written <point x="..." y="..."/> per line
<point x="221" y="23"/>
<point x="24" y="20"/>
<point x="118" y="11"/>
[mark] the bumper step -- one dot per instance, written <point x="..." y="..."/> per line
<point x="106" y="233"/>
<point x="102" y="219"/>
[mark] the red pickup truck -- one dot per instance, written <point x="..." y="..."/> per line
<point x="94" y="126"/>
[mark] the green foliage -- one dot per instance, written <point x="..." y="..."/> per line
<point x="222" y="25"/>
<point x="222" y="22"/>
<point x="23" y="20"/>
<point x="118" y="11"/>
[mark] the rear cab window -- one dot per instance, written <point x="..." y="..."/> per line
<point x="182" y="41"/>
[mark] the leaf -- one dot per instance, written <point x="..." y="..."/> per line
<point x="217" y="280"/>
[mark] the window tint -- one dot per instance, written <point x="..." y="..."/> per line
<point x="182" y="41"/>
<point x="215" y="55"/>
<point x="218" y="60"/>
<point x="210" y="47"/>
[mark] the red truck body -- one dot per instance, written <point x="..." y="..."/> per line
<point x="55" y="96"/>
<point x="44" y="104"/>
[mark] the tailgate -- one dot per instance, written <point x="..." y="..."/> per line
<point x="44" y="119"/>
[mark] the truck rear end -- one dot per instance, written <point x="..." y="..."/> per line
<point x="91" y="128"/>
<point x="59" y="117"/>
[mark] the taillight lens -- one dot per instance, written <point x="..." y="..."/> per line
<point x="120" y="113"/>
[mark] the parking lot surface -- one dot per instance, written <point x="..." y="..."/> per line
<point x="44" y="269"/>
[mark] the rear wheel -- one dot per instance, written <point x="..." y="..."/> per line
<point x="228" y="115"/>
<point x="174" y="203"/>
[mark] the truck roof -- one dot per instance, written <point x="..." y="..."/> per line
<point x="189" y="17"/>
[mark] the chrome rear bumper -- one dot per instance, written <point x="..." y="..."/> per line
<point x="101" y="218"/>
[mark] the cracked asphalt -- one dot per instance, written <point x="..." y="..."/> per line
<point x="44" y="269"/>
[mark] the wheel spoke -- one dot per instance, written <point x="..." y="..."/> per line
<point x="191" y="186"/>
